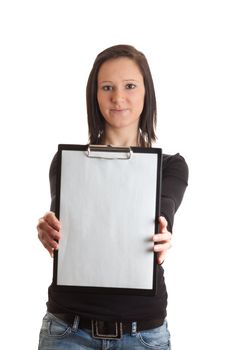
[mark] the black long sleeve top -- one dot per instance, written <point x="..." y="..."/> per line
<point x="125" y="307"/>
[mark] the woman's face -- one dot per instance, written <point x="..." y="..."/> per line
<point x="120" y="92"/>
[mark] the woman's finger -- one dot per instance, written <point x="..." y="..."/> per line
<point x="46" y="240"/>
<point x="51" y="219"/>
<point x="161" y="237"/>
<point x="161" y="257"/>
<point x="44" y="227"/>
<point x="49" y="231"/>
<point x="162" y="247"/>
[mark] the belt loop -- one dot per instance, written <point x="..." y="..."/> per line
<point x="76" y="323"/>
<point x="134" y="329"/>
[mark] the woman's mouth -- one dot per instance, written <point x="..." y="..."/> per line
<point x="118" y="110"/>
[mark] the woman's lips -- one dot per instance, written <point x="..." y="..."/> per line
<point x="114" y="110"/>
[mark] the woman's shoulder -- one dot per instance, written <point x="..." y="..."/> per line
<point x="175" y="165"/>
<point x="173" y="158"/>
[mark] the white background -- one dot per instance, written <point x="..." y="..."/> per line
<point x="47" y="50"/>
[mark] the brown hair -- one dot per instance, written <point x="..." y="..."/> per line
<point x="147" y="123"/>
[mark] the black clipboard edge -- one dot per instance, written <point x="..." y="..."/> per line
<point x="107" y="290"/>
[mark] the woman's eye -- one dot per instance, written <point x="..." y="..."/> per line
<point x="130" y="86"/>
<point x="107" y="87"/>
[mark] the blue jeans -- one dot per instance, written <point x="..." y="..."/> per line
<point x="56" y="334"/>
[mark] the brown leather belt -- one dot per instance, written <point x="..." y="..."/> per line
<point x="109" y="329"/>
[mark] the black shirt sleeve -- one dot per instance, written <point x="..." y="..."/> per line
<point x="52" y="180"/>
<point x="174" y="183"/>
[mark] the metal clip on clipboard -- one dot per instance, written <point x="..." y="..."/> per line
<point x="109" y="152"/>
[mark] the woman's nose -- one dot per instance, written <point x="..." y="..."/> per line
<point x="117" y="96"/>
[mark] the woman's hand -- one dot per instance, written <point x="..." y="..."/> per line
<point x="162" y="240"/>
<point x="49" y="231"/>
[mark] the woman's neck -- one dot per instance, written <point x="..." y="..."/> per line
<point x="125" y="138"/>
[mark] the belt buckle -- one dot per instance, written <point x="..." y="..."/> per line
<point x="98" y="333"/>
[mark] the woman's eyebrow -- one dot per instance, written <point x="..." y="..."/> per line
<point x="109" y="81"/>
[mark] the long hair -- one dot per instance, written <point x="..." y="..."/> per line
<point x="148" y="118"/>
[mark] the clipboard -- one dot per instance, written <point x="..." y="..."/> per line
<point x="108" y="202"/>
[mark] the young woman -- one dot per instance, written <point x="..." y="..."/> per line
<point x="121" y="108"/>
